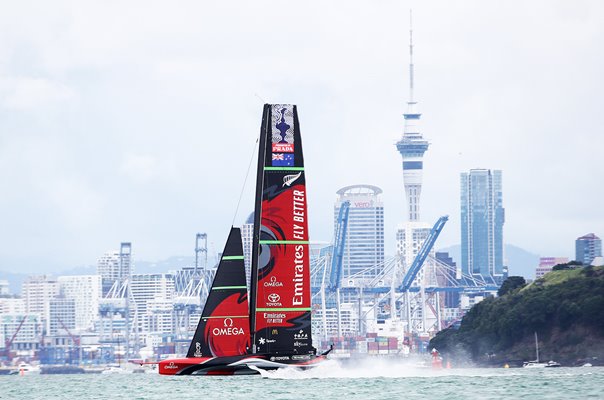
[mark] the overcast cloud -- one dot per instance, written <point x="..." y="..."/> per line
<point x="136" y="121"/>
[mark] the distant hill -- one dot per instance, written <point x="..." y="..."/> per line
<point x="565" y="308"/>
<point x="520" y="262"/>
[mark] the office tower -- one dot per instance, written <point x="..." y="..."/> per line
<point x="149" y="290"/>
<point x="85" y="291"/>
<point x="364" y="246"/>
<point x="37" y="291"/>
<point x="482" y="219"/>
<point x="115" y="266"/>
<point x="62" y="315"/>
<point x="587" y="248"/>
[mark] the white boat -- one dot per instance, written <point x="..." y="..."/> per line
<point x="536" y="363"/>
<point x="26" y="369"/>
<point x="116" y="370"/>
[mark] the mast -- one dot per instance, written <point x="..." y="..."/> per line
<point x="257" y="218"/>
<point x="537" y="346"/>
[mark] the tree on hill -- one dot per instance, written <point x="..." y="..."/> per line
<point x="512" y="283"/>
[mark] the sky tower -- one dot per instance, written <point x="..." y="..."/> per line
<point x="412" y="145"/>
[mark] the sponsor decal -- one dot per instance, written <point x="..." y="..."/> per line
<point x="302" y="357"/>
<point x="273" y="283"/>
<point x="280" y="358"/>
<point x="273" y="300"/>
<point x="283" y="147"/>
<point x="228" y="329"/>
<point x="171" y="366"/>
<point x="300" y="335"/>
<point x="274" y="318"/>
<point x="299" y="344"/>
<point x="197" y="349"/>
<point x="287" y="160"/>
<point x="282" y="120"/>
<point x="263" y="340"/>
<point x="289" y="179"/>
<point x="275" y="332"/>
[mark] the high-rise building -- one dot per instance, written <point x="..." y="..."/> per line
<point x="482" y="219"/>
<point x="85" y="291"/>
<point x="247" y="234"/>
<point x="412" y="147"/>
<point x="37" y="292"/>
<point x="3" y="287"/>
<point x="364" y="247"/>
<point x="115" y="266"/>
<point x="547" y="263"/>
<point x="62" y="315"/>
<point x="146" y="290"/>
<point x="587" y="248"/>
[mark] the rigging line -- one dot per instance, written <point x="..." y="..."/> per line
<point x="245" y="181"/>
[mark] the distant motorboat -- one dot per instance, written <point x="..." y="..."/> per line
<point x="116" y="370"/>
<point x="587" y="365"/>
<point x="26" y="369"/>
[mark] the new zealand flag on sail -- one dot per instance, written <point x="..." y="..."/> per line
<point x="283" y="159"/>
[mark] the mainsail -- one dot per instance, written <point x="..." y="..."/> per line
<point x="280" y="312"/>
<point x="223" y="329"/>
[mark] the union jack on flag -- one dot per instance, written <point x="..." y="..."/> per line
<point x="283" y="159"/>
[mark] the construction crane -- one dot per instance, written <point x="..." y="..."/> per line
<point x="9" y="342"/>
<point x="339" y="242"/>
<point x="423" y="253"/>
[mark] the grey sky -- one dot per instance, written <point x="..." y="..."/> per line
<point x="136" y="121"/>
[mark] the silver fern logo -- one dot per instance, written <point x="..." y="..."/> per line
<point x="289" y="179"/>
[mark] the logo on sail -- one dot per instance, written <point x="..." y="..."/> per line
<point x="273" y="283"/>
<point x="289" y="179"/>
<point x="197" y="349"/>
<point x="228" y="329"/>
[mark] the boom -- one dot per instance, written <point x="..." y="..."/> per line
<point x="423" y="254"/>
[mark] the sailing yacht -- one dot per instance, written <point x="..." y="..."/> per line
<point x="536" y="363"/>
<point x="273" y="329"/>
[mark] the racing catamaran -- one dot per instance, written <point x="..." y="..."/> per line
<point x="274" y="331"/>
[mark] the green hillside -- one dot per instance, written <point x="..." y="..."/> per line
<point x="565" y="308"/>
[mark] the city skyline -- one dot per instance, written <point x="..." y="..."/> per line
<point x="122" y="135"/>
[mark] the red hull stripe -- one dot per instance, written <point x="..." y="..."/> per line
<point x="284" y="309"/>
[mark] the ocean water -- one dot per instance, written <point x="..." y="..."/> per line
<point x="378" y="380"/>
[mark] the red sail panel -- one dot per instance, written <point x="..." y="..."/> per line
<point x="224" y="329"/>
<point x="283" y="302"/>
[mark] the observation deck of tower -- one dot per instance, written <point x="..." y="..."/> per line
<point x="412" y="146"/>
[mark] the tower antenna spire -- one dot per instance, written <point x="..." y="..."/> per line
<point x="410" y="56"/>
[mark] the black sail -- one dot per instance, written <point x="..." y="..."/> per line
<point x="223" y="328"/>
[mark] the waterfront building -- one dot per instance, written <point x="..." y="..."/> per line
<point x="364" y="246"/>
<point x="482" y="219"/>
<point x="547" y="263"/>
<point x="588" y="247"/>
<point x="37" y="292"/>
<point x="28" y="333"/>
<point x="115" y="266"/>
<point x="62" y="315"/>
<point x="247" y="234"/>
<point x="85" y="290"/>
<point x="4" y="287"/>
<point x="145" y="289"/>
<point x="12" y="305"/>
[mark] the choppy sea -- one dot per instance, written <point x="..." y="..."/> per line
<point x="332" y="380"/>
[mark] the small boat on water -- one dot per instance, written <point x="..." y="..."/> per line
<point x="273" y="329"/>
<point x="536" y="363"/>
<point x="26" y="369"/>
